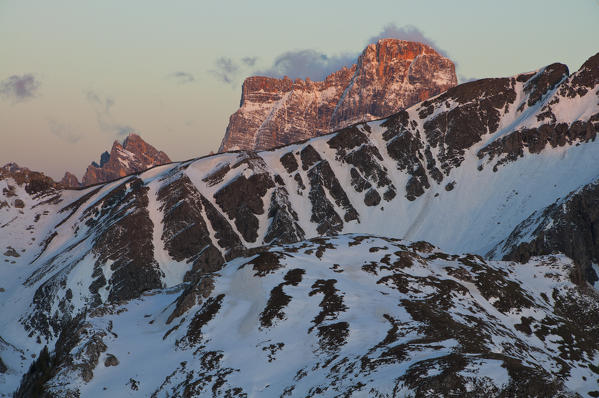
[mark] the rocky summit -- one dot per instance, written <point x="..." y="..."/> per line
<point x="132" y="156"/>
<point x="389" y="76"/>
<point x="70" y="180"/>
<point x="336" y="266"/>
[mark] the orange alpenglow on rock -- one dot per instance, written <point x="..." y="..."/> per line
<point x="389" y="76"/>
<point x="70" y="180"/>
<point x="133" y="156"/>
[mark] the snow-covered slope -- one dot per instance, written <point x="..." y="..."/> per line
<point x="352" y="315"/>
<point x="569" y="226"/>
<point x="461" y="170"/>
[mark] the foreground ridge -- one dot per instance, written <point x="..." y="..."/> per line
<point x="352" y="314"/>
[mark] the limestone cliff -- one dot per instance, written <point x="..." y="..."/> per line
<point x="389" y="76"/>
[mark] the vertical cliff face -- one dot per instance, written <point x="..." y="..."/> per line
<point x="389" y="76"/>
<point x="392" y="75"/>
<point x="132" y="156"/>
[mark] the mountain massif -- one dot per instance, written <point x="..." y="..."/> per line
<point x="132" y="156"/>
<point x="334" y="266"/>
<point x="389" y="76"/>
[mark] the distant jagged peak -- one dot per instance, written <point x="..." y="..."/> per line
<point x="70" y="180"/>
<point x="35" y="181"/>
<point x="131" y="156"/>
<point x="12" y="167"/>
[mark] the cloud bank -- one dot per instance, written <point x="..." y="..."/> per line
<point x="310" y="63"/>
<point x="307" y="63"/>
<point x="19" y="88"/>
<point x="317" y="65"/>
<point x="408" y="33"/>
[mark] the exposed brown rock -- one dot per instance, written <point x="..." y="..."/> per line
<point x="133" y="156"/>
<point x="111" y="360"/>
<point x="127" y="242"/>
<point x="11" y="252"/>
<point x="569" y="226"/>
<point x="389" y="76"/>
<point x="241" y="200"/>
<point x="550" y="77"/>
<point x="35" y="182"/>
<point x="284" y="227"/>
<point x="70" y="180"/>
<point x="372" y="198"/>
<point x="278" y="299"/>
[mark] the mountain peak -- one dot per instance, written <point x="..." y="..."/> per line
<point x="388" y="76"/>
<point x="13" y="167"/>
<point x="34" y="181"/>
<point x="587" y="77"/>
<point x="69" y="180"/>
<point x="398" y="49"/>
<point x="132" y="138"/>
<point x="132" y="156"/>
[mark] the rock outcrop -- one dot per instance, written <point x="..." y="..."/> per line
<point x="70" y="180"/>
<point x="569" y="226"/>
<point x="389" y="76"/>
<point x="133" y="156"/>
<point x="34" y="182"/>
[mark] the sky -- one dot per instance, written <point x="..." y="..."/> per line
<point x="76" y="75"/>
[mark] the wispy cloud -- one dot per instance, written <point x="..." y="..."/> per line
<point x="182" y="77"/>
<point x="249" y="61"/>
<point x="318" y="65"/>
<point x="64" y="132"/>
<point x="310" y="62"/>
<point x="307" y="63"/>
<point x="102" y="106"/>
<point x="225" y="70"/>
<point x="99" y="102"/>
<point x="19" y="88"/>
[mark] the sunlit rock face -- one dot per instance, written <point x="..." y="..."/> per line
<point x="389" y="76"/>
<point x="132" y="156"/>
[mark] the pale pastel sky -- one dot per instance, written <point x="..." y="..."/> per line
<point x="76" y="74"/>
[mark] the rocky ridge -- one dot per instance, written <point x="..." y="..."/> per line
<point x="389" y="76"/>
<point x="350" y="315"/>
<point x="132" y="156"/>
<point x="33" y="181"/>
<point x="567" y="226"/>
